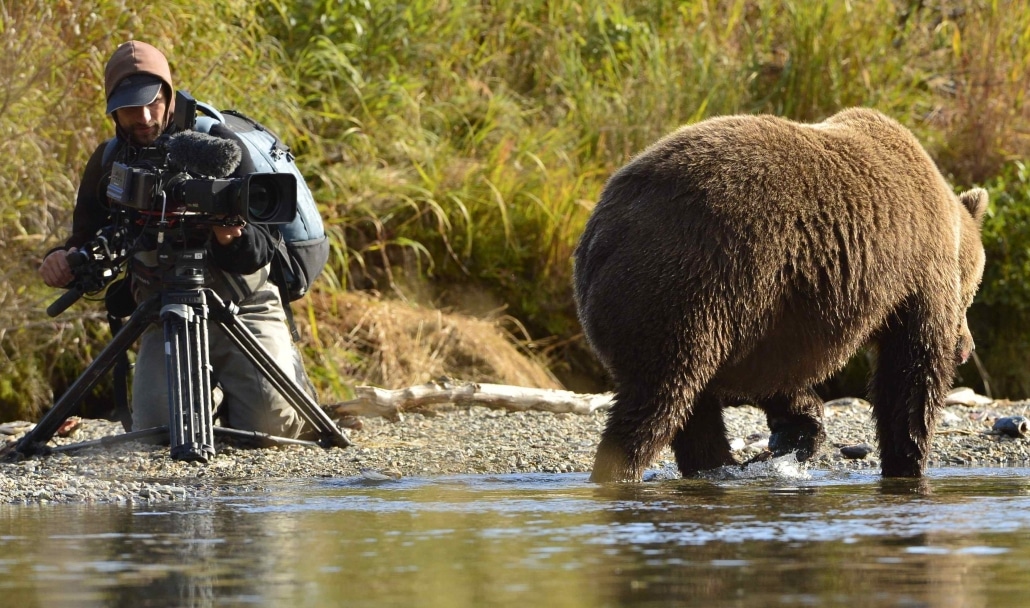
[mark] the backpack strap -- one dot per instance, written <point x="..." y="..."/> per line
<point x="110" y="147"/>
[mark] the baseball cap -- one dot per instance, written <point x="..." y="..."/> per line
<point x="133" y="91"/>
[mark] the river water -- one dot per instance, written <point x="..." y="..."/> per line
<point x="779" y="537"/>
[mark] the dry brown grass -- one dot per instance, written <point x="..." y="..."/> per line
<point x="365" y="339"/>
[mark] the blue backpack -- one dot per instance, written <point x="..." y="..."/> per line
<point x="304" y="248"/>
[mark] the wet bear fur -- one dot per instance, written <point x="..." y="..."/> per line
<point x="747" y="258"/>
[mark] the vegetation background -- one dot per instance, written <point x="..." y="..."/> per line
<point x="457" y="147"/>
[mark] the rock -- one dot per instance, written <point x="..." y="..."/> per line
<point x="758" y="441"/>
<point x="856" y="452"/>
<point x="847" y="402"/>
<point x="69" y="426"/>
<point x="1012" y="426"/>
<point x="16" y="428"/>
<point x="966" y="396"/>
<point x="948" y="418"/>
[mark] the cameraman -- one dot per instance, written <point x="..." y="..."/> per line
<point x="140" y="101"/>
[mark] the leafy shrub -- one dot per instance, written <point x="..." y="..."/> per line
<point x="1000" y="317"/>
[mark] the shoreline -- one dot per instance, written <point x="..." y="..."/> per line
<point x="452" y="440"/>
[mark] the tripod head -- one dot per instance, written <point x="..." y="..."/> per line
<point x="182" y="269"/>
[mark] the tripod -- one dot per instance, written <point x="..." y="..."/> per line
<point x="185" y="308"/>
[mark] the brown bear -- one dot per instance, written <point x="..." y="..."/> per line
<point x="747" y="258"/>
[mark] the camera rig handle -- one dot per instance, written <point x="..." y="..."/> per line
<point x="94" y="266"/>
<point x="62" y="303"/>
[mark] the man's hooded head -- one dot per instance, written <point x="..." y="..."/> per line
<point x="135" y="75"/>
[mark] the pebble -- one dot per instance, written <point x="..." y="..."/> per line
<point x="451" y="440"/>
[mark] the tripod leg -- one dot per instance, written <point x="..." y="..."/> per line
<point x="302" y="402"/>
<point x="190" y="428"/>
<point x="34" y="442"/>
<point x="203" y="394"/>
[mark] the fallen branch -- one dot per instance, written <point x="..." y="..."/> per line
<point x="389" y="404"/>
<point x="373" y="401"/>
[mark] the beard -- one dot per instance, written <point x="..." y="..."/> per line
<point x="139" y="133"/>
<point x="145" y="135"/>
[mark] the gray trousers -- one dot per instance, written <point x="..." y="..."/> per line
<point x="251" y="402"/>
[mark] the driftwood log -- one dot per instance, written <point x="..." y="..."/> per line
<point x="373" y="401"/>
<point x="389" y="404"/>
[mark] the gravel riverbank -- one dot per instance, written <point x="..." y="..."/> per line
<point x="466" y="440"/>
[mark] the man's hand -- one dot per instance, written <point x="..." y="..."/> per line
<point x="225" y="234"/>
<point x="55" y="269"/>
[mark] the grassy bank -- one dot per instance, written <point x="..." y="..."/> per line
<point x="457" y="148"/>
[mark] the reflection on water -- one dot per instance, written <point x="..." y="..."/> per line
<point x="785" y="537"/>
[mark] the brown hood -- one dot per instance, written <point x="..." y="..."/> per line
<point x="135" y="57"/>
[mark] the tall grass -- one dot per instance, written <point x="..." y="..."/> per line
<point x="458" y="147"/>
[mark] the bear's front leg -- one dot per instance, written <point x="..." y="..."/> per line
<point x="795" y="423"/>
<point x="915" y="367"/>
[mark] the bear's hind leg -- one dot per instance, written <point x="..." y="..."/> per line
<point x="701" y="444"/>
<point x="640" y="424"/>
<point x="795" y="423"/>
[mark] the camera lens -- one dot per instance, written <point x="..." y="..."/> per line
<point x="270" y="198"/>
<point x="262" y="202"/>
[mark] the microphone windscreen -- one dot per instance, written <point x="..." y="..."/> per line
<point x="203" y="154"/>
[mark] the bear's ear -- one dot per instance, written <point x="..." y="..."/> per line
<point x="975" y="201"/>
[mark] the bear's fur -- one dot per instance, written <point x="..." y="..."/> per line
<point x="747" y="258"/>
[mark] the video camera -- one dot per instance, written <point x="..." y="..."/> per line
<point x="186" y="173"/>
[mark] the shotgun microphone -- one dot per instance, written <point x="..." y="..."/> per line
<point x="203" y="154"/>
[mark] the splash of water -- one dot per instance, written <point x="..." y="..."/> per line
<point x="782" y="468"/>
